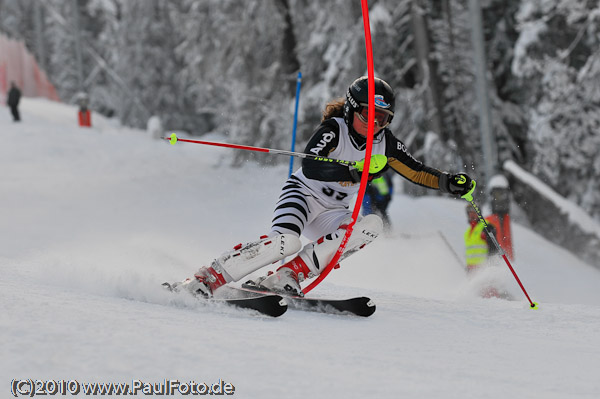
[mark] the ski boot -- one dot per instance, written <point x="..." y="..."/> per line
<point x="283" y="281"/>
<point x="286" y="280"/>
<point x="315" y="256"/>
<point x="204" y="283"/>
<point x="237" y="263"/>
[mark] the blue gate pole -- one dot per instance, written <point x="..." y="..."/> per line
<point x="298" y="84"/>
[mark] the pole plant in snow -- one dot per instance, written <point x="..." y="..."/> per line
<point x="469" y="198"/>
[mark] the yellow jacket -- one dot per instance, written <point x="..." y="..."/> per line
<point x="477" y="249"/>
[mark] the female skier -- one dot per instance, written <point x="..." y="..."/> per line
<point x="315" y="200"/>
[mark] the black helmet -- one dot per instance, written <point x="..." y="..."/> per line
<point x="357" y="96"/>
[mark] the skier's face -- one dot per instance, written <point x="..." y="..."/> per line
<point x="361" y="121"/>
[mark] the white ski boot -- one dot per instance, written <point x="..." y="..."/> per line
<point x="204" y="283"/>
<point x="315" y="256"/>
<point x="239" y="262"/>
<point x="283" y="281"/>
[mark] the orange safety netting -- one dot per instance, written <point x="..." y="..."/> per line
<point x="18" y="64"/>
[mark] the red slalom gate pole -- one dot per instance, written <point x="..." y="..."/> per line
<point x="365" y="173"/>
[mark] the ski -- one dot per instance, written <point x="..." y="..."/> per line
<point x="268" y="304"/>
<point x="358" y="306"/>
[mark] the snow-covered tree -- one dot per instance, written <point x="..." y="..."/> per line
<point x="60" y="32"/>
<point x="240" y="68"/>
<point x="143" y="34"/>
<point x="16" y="20"/>
<point x="558" y="62"/>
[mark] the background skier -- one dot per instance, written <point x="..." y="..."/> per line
<point x="478" y="245"/>
<point x="378" y="196"/>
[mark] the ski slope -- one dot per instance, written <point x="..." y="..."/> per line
<point x="93" y="220"/>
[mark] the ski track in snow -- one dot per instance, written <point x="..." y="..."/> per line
<point x="93" y="220"/>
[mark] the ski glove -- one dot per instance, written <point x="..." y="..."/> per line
<point x="376" y="167"/>
<point x="459" y="184"/>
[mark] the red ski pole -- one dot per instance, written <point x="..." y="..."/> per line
<point x="174" y="139"/>
<point x="469" y="198"/>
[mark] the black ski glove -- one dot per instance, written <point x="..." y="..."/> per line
<point x="459" y="184"/>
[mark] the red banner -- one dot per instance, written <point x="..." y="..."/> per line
<point x="18" y="65"/>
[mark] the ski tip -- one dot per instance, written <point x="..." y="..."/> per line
<point x="280" y="310"/>
<point x="370" y="307"/>
<point x="534" y="305"/>
<point x="273" y="306"/>
<point x="173" y="139"/>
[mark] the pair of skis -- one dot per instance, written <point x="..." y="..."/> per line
<point x="275" y="304"/>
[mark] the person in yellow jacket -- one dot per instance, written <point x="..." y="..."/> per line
<point x="478" y="244"/>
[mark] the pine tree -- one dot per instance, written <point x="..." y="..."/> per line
<point x="555" y="61"/>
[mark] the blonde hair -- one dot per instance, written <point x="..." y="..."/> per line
<point x="334" y="108"/>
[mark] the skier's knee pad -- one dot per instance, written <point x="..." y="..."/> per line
<point x="247" y="258"/>
<point x="318" y="254"/>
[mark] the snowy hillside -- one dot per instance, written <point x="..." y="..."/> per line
<point x="93" y="220"/>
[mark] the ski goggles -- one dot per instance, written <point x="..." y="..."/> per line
<point x="382" y="117"/>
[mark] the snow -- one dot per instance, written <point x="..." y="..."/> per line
<point x="530" y="32"/>
<point x="575" y="213"/>
<point x="379" y="15"/>
<point x="93" y="220"/>
<point x="498" y="181"/>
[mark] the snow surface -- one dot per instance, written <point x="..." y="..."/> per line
<point x="93" y="220"/>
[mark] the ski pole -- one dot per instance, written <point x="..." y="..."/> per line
<point x="174" y="139"/>
<point x="469" y="198"/>
<point x="298" y="85"/>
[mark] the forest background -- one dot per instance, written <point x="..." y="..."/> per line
<point x="231" y="66"/>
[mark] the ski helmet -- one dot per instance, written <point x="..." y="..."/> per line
<point x="357" y="97"/>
